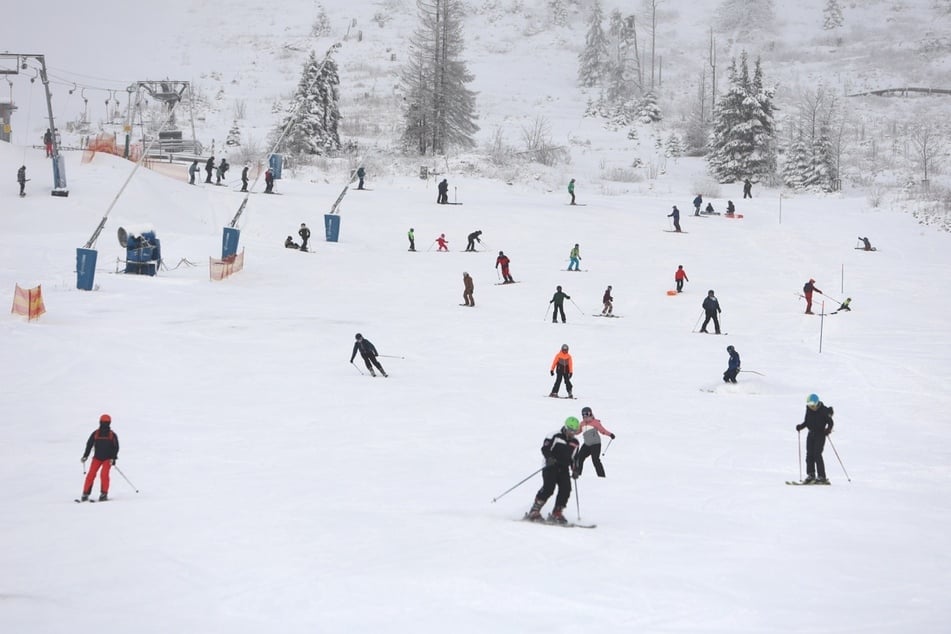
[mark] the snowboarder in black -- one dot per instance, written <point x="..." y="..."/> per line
<point x="733" y="365"/>
<point x="244" y="178"/>
<point x="473" y="238"/>
<point x="818" y="420"/>
<point x="747" y="189"/>
<point x="21" y="178"/>
<point x="711" y="307"/>
<point x="443" y="197"/>
<point x="106" y="444"/>
<point x="304" y="234"/>
<point x="361" y="173"/>
<point x="368" y="351"/>
<point x="675" y="214"/>
<point x="559" y="451"/>
<point x="209" y="168"/>
<point x="558" y="299"/>
<point x="866" y="244"/>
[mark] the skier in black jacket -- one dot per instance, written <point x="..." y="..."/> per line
<point x="368" y="351"/>
<point x="711" y="306"/>
<point x="106" y="444"/>
<point x="209" y="168"/>
<point x="559" y="451"/>
<point x="818" y="420"/>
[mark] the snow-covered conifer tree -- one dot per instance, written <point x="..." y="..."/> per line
<point x="593" y="59"/>
<point x="832" y="15"/>
<point x="234" y="135"/>
<point x="314" y="110"/>
<point x="647" y="109"/>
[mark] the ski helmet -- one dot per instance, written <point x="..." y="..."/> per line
<point x="572" y="424"/>
<point x="105" y="418"/>
<point x="564" y="347"/>
<point x="729" y="348"/>
<point x="812" y="400"/>
<point x="358" y="337"/>
<point x="586" y="411"/>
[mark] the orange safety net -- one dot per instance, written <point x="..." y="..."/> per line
<point x="220" y="269"/>
<point x="28" y="302"/>
<point x="106" y="142"/>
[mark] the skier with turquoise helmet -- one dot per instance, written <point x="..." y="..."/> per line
<point x="818" y="420"/>
<point x="559" y="451"/>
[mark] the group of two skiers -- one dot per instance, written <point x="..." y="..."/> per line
<point x="304" y="233"/>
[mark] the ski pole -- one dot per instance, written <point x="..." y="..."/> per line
<point x="431" y="246"/>
<point x="840" y="459"/>
<point x="605" y="452"/>
<point x="698" y="321"/>
<point x="356" y="368"/>
<point x="576" y="306"/>
<point x="546" y="312"/>
<point x="578" y="498"/>
<point x="799" y="434"/>
<point x="507" y="491"/>
<point x="126" y="479"/>
<point x="753" y="372"/>
<point x="391" y="356"/>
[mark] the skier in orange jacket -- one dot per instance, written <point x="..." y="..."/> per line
<point x="565" y="369"/>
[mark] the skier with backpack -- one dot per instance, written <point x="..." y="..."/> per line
<point x="559" y="451"/>
<point x="105" y="442"/>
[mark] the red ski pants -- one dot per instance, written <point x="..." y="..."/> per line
<point x="91" y="476"/>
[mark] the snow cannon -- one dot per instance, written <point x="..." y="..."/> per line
<point x="143" y="252"/>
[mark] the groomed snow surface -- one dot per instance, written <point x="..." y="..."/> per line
<point x="282" y="489"/>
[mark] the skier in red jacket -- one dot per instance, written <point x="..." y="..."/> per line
<point x="106" y="444"/>
<point x="807" y="292"/>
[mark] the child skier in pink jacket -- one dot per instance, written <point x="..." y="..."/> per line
<point x="591" y="432"/>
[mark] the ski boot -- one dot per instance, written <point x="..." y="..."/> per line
<point x="384" y="373"/>
<point x="372" y="373"/>
<point x="810" y="479"/>
<point x="822" y="481"/>
<point x="553" y="395"/>
<point x="84" y="498"/>
<point x="103" y="497"/>
<point x="535" y="513"/>
<point x="557" y="516"/>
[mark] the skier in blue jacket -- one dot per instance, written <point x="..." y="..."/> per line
<point x="733" y="366"/>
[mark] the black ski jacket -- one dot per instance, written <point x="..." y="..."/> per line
<point x="366" y="349"/>
<point x="817" y="421"/>
<point x="106" y="443"/>
<point x="561" y="447"/>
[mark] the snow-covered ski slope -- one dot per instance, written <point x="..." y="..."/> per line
<point x="280" y="488"/>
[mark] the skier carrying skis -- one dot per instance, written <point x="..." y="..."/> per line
<point x="571" y="191"/>
<point x="304" y="234"/>
<point x="711" y="307"/>
<point x="442" y="242"/>
<point x="591" y="432"/>
<point x="503" y="260"/>
<point x="467" y="289"/>
<point x="21" y="179"/>
<point x="558" y="299"/>
<point x="106" y="445"/>
<point x="412" y="239"/>
<point x="680" y="276"/>
<point x="733" y="365"/>
<point x="608" y="302"/>
<point x="564" y="366"/>
<point x="575" y="258"/>
<point x="675" y="214"/>
<point x="807" y="290"/>
<point x="368" y="351"/>
<point x="473" y="238"/>
<point x="559" y="451"/>
<point x="696" y="204"/>
<point x="818" y="420"/>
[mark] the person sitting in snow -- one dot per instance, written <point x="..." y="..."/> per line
<point x="290" y="244"/>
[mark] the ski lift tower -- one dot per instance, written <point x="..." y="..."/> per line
<point x="22" y="62"/>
